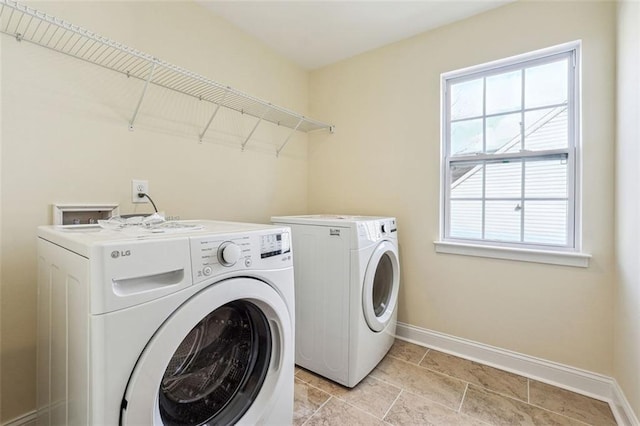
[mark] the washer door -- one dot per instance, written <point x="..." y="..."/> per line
<point x="215" y="360"/>
<point x="381" y="283"/>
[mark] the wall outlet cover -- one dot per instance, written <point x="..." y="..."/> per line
<point x="139" y="186"/>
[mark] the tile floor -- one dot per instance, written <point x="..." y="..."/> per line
<point x="414" y="385"/>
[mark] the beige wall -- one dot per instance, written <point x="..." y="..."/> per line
<point x="627" y="313"/>
<point x="65" y="139"/>
<point x="384" y="159"/>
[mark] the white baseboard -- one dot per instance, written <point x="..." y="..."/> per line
<point x="27" y="419"/>
<point x="622" y="409"/>
<point x="581" y="381"/>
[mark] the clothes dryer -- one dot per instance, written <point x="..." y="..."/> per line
<point x="347" y="277"/>
<point x="165" y="329"/>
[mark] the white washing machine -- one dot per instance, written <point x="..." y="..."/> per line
<point x="347" y="277"/>
<point x="173" y="328"/>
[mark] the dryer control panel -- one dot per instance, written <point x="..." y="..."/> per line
<point x="376" y="230"/>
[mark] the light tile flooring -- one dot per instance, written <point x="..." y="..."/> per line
<point x="414" y="385"/>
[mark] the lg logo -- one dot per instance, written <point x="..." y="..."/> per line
<point x="117" y="253"/>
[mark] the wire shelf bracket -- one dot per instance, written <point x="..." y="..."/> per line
<point x="266" y="110"/>
<point x="144" y="92"/>
<point x="30" y="25"/>
<point x="287" y="139"/>
<point x="215" y="112"/>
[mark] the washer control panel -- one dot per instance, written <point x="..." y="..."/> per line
<point x="219" y="254"/>
<point x="274" y="244"/>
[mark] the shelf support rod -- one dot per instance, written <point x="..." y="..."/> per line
<point x="289" y="137"/>
<point x="213" y="115"/>
<point x="256" y="126"/>
<point x="144" y="91"/>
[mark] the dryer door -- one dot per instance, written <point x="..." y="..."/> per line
<point x="381" y="284"/>
<point x="216" y="360"/>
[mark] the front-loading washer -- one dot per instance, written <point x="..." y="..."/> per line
<point x="176" y="328"/>
<point x="347" y="278"/>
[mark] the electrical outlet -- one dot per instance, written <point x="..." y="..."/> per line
<point x="138" y="186"/>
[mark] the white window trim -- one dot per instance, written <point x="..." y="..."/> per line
<point x="565" y="258"/>
<point x="571" y="256"/>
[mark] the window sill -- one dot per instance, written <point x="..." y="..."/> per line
<point x="580" y="260"/>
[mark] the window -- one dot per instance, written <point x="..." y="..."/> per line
<point x="510" y="138"/>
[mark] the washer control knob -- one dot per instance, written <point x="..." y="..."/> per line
<point x="384" y="228"/>
<point x="247" y="262"/>
<point x="207" y="271"/>
<point x="229" y="253"/>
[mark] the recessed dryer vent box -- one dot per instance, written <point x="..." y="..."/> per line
<point x="82" y="214"/>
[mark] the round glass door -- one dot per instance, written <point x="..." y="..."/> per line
<point x="217" y="359"/>
<point x="382" y="285"/>
<point x="380" y="290"/>
<point x="218" y="368"/>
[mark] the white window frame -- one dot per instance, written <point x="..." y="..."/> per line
<point x="564" y="255"/>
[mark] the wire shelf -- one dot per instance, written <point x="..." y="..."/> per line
<point x="30" y="25"/>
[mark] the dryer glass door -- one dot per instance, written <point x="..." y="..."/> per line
<point x="217" y="359"/>
<point x="381" y="283"/>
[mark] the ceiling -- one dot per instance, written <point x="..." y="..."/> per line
<point x="317" y="33"/>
